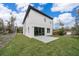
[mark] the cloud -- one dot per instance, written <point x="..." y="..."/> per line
<point x="4" y="13"/>
<point x="41" y="6"/>
<point x="55" y="20"/>
<point x="64" y="7"/>
<point x="22" y="7"/>
<point x="4" y="9"/>
<point x="42" y="3"/>
<point x="66" y="18"/>
<point x="19" y="19"/>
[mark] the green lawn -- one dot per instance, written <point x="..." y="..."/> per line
<point x="22" y="45"/>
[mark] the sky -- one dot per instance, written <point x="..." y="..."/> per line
<point x="65" y="12"/>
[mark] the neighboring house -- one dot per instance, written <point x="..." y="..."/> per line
<point x="36" y="23"/>
<point x="68" y="33"/>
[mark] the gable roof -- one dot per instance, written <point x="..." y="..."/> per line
<point x="28" y="10"/>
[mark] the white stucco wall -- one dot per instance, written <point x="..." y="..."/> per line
<point x="36" y="19"/>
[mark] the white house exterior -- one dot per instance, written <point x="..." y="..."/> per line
<point x="37" y="23"/>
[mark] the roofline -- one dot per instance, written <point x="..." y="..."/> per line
<point x="30" y="7"/>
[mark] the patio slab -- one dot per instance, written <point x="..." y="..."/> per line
<point x="46" y="39"/>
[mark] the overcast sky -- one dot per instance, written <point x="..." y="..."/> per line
<point x="65" y="12"/>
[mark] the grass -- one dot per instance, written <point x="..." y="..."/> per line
<point x="24" y="46"/>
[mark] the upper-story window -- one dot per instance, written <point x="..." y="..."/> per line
<point x="44" y="19"/>
<point x="50" y="22"/>
<point x="28" y="29"/>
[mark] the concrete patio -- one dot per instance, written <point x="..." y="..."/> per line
<point x="46" y="39"/>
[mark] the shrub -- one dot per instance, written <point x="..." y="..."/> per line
<point x="20" y="29"/>
<point x="61" y="31"/>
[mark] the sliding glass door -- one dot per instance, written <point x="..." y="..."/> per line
<point x="38" y="31"/>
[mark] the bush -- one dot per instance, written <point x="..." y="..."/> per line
<point x="55" y="32"/>
<point x="61" y="31"/>
<point x="19" y="29"/>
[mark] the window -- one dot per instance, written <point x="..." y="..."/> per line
<point x="44" y="19"/>
<point x="48" y="30"/>
<point x="50" y="22"/>
<point x="28" y="29"/>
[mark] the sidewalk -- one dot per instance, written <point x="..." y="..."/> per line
<point x="4" y="39"/>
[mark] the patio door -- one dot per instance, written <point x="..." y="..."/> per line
<point x="39" y="31"/>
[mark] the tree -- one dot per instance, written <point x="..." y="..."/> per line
<point x="12" y="23"/>
<point x="2" y="26"/>
<point x="11" y="27"/>
<point x="77" y="23"/>
<point x="61" y="30"/>
<point x="19" y="29"/>
<point x="61" y="24"/>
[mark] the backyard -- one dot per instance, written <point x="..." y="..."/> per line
<point x="24" y="46"/>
